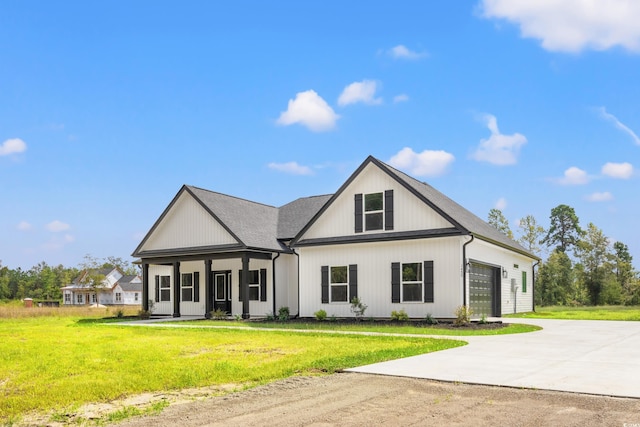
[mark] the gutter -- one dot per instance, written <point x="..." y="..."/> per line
<point x="273" y="280"/>
<point x="533" y="284"/>
<point x="464" y="270"/>
<point x="298" y="257"/>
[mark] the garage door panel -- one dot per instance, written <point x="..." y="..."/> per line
<point x="482" y="293"/>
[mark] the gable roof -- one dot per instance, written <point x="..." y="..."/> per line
<point x="463" y="220"/>
<point x="293" y="216"/>
<point x="130" y="283"/>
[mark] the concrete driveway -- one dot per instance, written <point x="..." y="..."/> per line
<point x="583" y="356"/>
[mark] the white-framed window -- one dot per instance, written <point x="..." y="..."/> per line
<point x="93" y="298"/>
<point x="165" y="288"/>
<point x="79" y="298"/>
<point x="187" y="287"/>
<point x="118" y="297"/>
<point x="135" y="296"/>
<point x="339" y="284"/>
<point x="411" y="286"/>
<point x="67" y="298"/>
<point x="374" y="211"/>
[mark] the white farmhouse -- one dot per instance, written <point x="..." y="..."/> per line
<point x="385" y="237"/>
<point x="116" y="289"/>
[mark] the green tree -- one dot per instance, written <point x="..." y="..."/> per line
<point x="596" y="259"/>
<point x="498" y="221"/>
<point x="623" y="268"/>
<point x="95" y="281"/>
<point x="554" y="285"/>
<point x="530" y="234"/>
<point x="564" y="230"/>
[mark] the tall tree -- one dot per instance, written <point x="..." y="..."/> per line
<point x="554" y="284"/>
<point x="498" y="221"/>
<point x="624" y="269"/>
<point x="596" y="259"/>
<point x="530" y="234"/>
<point x="564" y="230"/>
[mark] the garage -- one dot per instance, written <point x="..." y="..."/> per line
<point x="484" y="290"/>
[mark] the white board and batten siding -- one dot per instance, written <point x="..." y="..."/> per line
<point x="515" y="264"/>
<point x="287" y="282"/>
<point x="409" y="212"/>
<point x="187" y="225"/>
<point x="374" y="276"/>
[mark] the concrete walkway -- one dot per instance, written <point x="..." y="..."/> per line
<point x="583" y="356"/>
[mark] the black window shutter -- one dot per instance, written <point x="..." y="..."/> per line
<point x="388" y="210"/>
<point x="428" y="281"/>
<point x="196" y="286"/>
<point x="325" y="283"/>
<point x="157" y="288"/>
<point x="263" y="284"/>
<point x="353" y="281"/>
<point x="358" y="212"/>
<point x="241" y="290"/>
<point x="395" y="282"/>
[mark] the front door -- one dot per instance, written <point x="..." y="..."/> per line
<point x="222" y="291"/>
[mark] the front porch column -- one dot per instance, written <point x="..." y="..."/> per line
<point x="208" y="283"/>
<point x="145" y="286"/>
<point x="176" y="289"/>
<point x="245" y="286"/>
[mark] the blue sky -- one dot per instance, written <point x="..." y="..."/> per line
<point x="107" y="108"/>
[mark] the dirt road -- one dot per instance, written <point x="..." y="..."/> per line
<point x="349" y="399"/>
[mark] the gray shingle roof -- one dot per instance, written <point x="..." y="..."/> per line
<point x="127" y="286"/>
<point x="295" y="215"/>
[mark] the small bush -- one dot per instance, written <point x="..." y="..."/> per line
<point x="218" y="314"/>
<point x="270" y="317"/>
<point x="144" y="314"/>
<point x="120" y="313"/>
<point x="333" y="318"/>
<point x="483" y="320"/>
<point x="430" y="320"/>
<point x="358" y="307"/>
<point x="463" y="316"/>
<point x="283" y="314"/>
<point x="320" y="315"/>
<point x="399" y="316"/>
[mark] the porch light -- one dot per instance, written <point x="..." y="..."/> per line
<point x="505" y="273"/>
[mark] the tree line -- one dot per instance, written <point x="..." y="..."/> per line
<point x="43" y="281"/>
<point x="583" y="267"/>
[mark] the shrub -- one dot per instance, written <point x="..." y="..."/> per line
<point x="270" y="317"/>
<point x="463" y="316"/>
<point x="430" y="320"/>
<point x="283" y="314"/>
<point x="483" y="320"/>
<point x="399" y="316"/>
<point x="358" y="307"/>
<point x="218" y="314"/>
<point x="120" y="313"/>
<point x="320" y="315"/>
<point x="144" y="314"/>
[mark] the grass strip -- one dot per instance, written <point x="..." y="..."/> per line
<point x="611" y="312"/>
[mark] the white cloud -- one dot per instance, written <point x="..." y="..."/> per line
<point x="57" y="226"/>
<point x="12" y="146"/>
<point x="618" y="170"/>
<point x="363" y="91"/>
<point x="574" y="176"/>
<point x="501" y="204"/>
<point x="617" y="123"/>
<point x="400" y="98"/>
<point x="499" y="149"/>
<point x="24" y="226"/>
<point x="599" y="197"/>
<point x="572" y="25"/>
<point x="427" y="163"/>
<point x="310" y="110"/>
<point x="291" y="167"/>
<point x="402" y="52"/>
<point x="58" y="242"/>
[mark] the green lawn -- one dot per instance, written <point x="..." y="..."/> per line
<point x="56" y="363"/>
<point x="610" y="312"/>
<point x="365" y="326"/>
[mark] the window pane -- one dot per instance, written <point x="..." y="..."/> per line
<point x="373" y="202"/>
<point x="254" y="293"/>
<point x="412" y="272"/>
<point x="165" y="281"/>
<point x="187" y="294"/>
<point x="165" y="295"/>
<point x="187" y="280"/>
<point x="220" y="287"/>
<point x="339" y="293"/>
<point x="373" y="221"/>
<point x="412" y="292"/>
<point x="254" y="277"/>
<point x="339" y="274"/>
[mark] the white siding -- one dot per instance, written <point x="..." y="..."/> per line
<point x="190" y="308"/>
<point x="287" y="283"/>
<point x="165" y="307"/>
<point x="410" y="213"/>
<point x="187" y="224"/>
<point x="374" y="276"/>
<point x="485" y="252"/>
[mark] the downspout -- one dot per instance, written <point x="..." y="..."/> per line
<point x="464" y="271"/>
<point x="273" y="281"/>
<point x="533" y="284"/>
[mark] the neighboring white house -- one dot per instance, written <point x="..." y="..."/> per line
<point x="116" y="289"/>
<point x="385" y="237"/>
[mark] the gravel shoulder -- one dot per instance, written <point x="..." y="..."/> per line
<point x="353" y="399"/>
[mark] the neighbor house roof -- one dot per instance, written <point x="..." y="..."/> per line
<point x="130" y="283"/>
